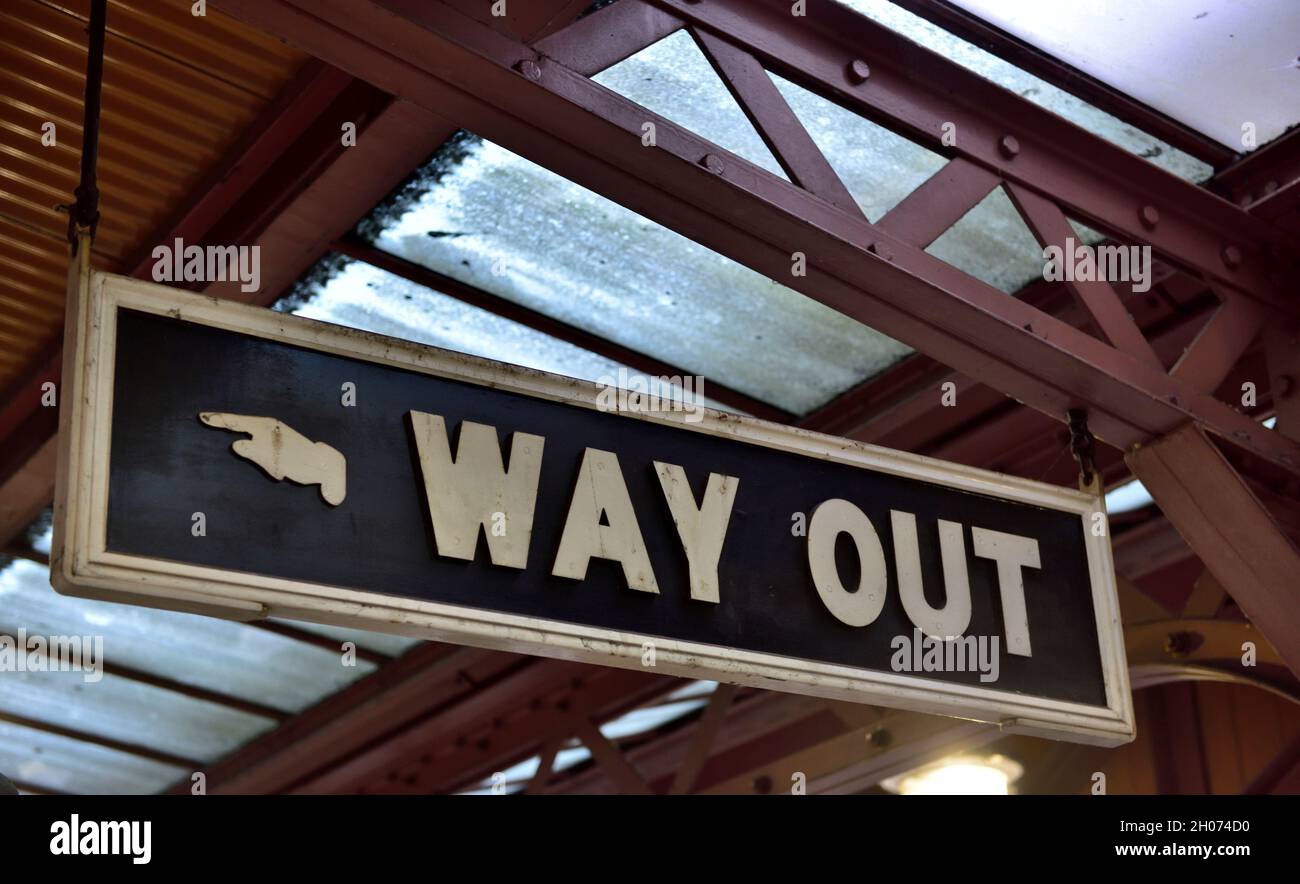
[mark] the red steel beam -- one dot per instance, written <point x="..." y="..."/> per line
<point x="304" y="98"/>
<point x="1023" y="55"/>
<point x="916" y="91"/>
<point x="608" y="36"/>
<point x="535" y="106"/>
<point x="1224" y="522"/>
<point x="775" y="122"/>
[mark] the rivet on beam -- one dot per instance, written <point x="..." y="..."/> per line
<point x="530" y="69"/>
<point x="1231" y="256"/>
<point x="1009" y="146"/>
<point x="1149" y="217"/>
<point x="713" y="163"/>
<point x="859" y="71"/>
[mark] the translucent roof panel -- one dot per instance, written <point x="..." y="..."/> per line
<point x="674" y="79"/>
<point x="992" y="243"/>
<point x="129" y="711"/>
<point x="392" y="645"/>
<point x="220" y="655"/>
<point x="878" y="167"/>
<point x="235" y="659"/>
<point x="508" y="226"/>
<point x="365" y="297"/>
<point x="61" y="764"/>
<point x="1213" y="65"/>
<point x="1039" y="91"/>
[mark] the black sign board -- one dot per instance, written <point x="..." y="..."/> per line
<point x="236" y="461"/>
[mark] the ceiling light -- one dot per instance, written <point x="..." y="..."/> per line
<point x="963" y="775"/>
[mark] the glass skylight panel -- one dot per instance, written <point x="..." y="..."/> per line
<point x="61" y="764"/>
<point x="1036" y="90"/>
<point x="365" y="297"/>
<point x="1215" y="65"/>
<point x="508" y="226"/>
<point x="992" y="243"/>
<point x="647" y="718"/>
<point x="391" y="645"/>
<point x="233" y="658"/>
<point x="130" y="712"/>
<point x="878" y="167"/>
<point x="220" y="655"/>
<point x="674" y="79"/>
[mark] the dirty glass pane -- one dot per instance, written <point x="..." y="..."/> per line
<point x="675" y="80"/>
<point x="1038" y="91"/>
<point x="878" y="167"/>
<point x="1242" y="57"/>
<point x="61" y="764"/>
<point x="503" y="224"/>
<point x="207" y="652"/>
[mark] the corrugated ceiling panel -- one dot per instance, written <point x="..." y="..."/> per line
<point x="179" y="90"/>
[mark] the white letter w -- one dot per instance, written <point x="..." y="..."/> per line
<point x="475" y="489"/>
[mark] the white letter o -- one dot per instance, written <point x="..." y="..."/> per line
<point x="829" y="520"/>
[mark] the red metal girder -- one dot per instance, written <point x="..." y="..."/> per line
<point x="591" y="135"/>
<point x="923" y="215"/>
<point x="1027" y="57"/>
<point x="916" y="91"/>
<point x="748" y="720"/>
<point x="398" y="139"/>
<point x="1176" y="728"/>
<point x="1282" y="344"/>
<point x="522" y="19"/>
<point x="1262" y="172"/>
<point x="1220" y="344"/>
<point x="27" y="491"/>
<point x="1148" y="548"/>
<point x="1228" y="527"/>
<point x="317" y="148"/>
<point x="608" y="36"/>
<point x="428" y="677"/>
<point x="24" y="397"/>
<point x="398" y="763"/>
<point x="775" y="122"/>
<point x="1281" y="775"/>
<point x="282" y="122"/>
<point x="1097" y="296"/>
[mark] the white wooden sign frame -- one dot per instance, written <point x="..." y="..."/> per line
<point x="82" y="565"/>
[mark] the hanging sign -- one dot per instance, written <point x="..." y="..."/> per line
<point x="235" y="461"/>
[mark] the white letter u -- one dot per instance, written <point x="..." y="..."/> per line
<point x="952" y="619"/>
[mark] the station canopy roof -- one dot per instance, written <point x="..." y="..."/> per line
<point x="486" y="217"/>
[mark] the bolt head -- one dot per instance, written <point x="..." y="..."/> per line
<point x="859" y="71"/>
<point x="1009" y="146"/>
<point x="1231" y="256"/>
<point x="530" y="69"/>
<point x="1149" y="216"/>
<point x="1183" y="643"/>
<point x="713" y="163"/>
